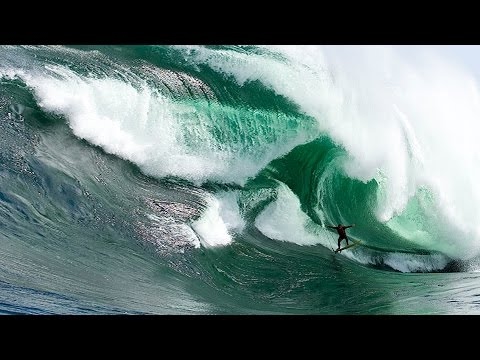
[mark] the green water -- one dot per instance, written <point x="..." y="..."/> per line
<point x="105" y="219"/>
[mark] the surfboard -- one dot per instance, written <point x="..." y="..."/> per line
<point x="352" y="243"/>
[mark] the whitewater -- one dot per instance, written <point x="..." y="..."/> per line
<point x="200" y="179"/>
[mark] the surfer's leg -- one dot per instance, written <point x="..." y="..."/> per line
<point x="339" y="241"/>
<point x="346" y="238"/>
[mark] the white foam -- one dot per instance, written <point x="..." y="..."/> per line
<point x="414" y="263"/>
<point x="219" y="221"/>
<point x="133" y="120"/>
<point x="284" y="220"/>
<point x="403" y="262"/>
<point x="230" y="211"/>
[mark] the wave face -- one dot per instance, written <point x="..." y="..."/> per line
<point x="200" y="179"/>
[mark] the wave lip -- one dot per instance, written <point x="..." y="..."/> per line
<point x="218" y="222"/>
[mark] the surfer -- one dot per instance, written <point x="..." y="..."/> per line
<point x="341" y="231"/>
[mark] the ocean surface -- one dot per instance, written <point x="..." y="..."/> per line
<point x="200" y="180"/>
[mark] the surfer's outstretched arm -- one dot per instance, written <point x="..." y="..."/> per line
<point x="333" y="227"/>
<point x="346" y="227"/>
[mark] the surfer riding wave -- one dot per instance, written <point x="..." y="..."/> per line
<point x="341" y="232"/>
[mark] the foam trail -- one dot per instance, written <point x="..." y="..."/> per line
<point x="412" y="263"/>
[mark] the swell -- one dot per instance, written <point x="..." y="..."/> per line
<point x="197" y="123"/>
<point x="75" y="222"/>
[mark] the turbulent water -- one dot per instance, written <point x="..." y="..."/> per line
<point x="200" y="180"/>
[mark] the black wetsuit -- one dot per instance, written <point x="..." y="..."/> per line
<point x="341" y="231"/>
